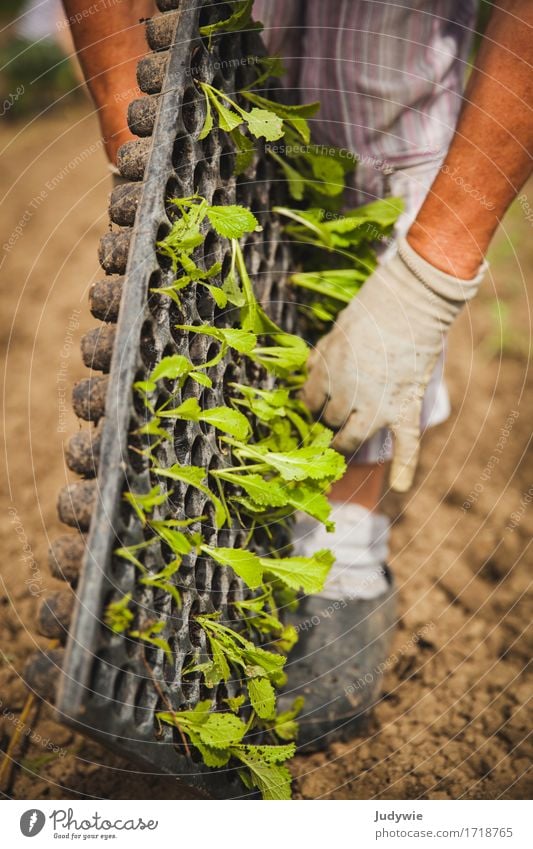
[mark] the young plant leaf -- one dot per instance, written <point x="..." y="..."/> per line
<point x="245" y="564"/>
<point x="239" y="20"/>
<point x="245" y="151"/>
<point x="171" y="368"/>
<point x="307" y="574"/>
<point x="265" y="493"/>
<point x="262" y="697"/>
<point x="195" y="476"/>
<point x="223" y="418"/>
<point x="232" y="222"/>
<point x="266" y="770"/>
<point x="144" y="503"/>
<point x="118" y="615"/>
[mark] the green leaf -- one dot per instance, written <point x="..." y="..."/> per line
<point x="202" y="379"/>
<point x="384" y="212"/>
<point x="161" y="580"/>
<point x="262" y="697"/>
<point x="287" y="639"/>
<point x="118" y="616"/>
<point x="283" y="110"/>
<point x="228" y="120"/>
<point x="144" y="386"/>
<point x="188" y="410"/>
<point x="285" y="725"/>
<point x="310" y="500"/>
<point x="235" y="702"/>
<point x="266" y="770"/>
<point x="301" y="573"/>
<point x="128" y="553"/>
<point x="194" y="476"/>
<point x="215" y="670"/>
<point x="144" y="503"/>
<point x="232" y="289"/>
<point x="219" y="296"/>
<point x="171" y="368"/>
<point x="302" y="128"/>
<point x="266" y="493"/>
<point x="245" y="564"/>
<point x="339" y="283"/>
<point x="307" y="220"/>
<point x="239" y="20"/>
<point x="214" y="758"/>
<point x="232" y="221"/>
<point x="300" y="463"/>
<point x="221" y="730"/>
<point x="294" y="179"/>
<point x="227" y="420"/>
<point x="245" y="149"/>
<point x="217" y="731"/>
<point x="288" y="355"/>
<point x="150" y="635"/>
<point x="242" y="341"/>
<point x="208" y="123"/>
<point x="309" y="463"/>
<point x="264" y="124"/>
<point x="253" y="317"/>
<point x="272" y="66"/>
<point x="223" y="418"/>
<point x="329" y="172"/>
<point x="177" y="541"/>
<point x="295" y="116"/>
<point x="261" y="663"/>
<point x="265" y="405"/>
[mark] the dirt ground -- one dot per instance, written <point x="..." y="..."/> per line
<point x="454" y="720"/>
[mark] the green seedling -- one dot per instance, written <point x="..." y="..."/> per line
<point x="277" y="460"/>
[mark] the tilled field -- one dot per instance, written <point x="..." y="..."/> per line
<point x="454" y="721"/>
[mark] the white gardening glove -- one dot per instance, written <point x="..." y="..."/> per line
<point x="372" y="370"/>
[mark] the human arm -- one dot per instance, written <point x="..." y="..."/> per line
<point x="109" y="41"/>
<point x="372" y="369"/>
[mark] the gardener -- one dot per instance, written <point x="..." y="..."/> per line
<point x="390" y="80"/>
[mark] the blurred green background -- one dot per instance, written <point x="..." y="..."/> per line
<point x="36" y="71"/>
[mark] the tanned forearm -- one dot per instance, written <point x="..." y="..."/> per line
<point x="109" y="41"/>
<point x="490" y="156"/>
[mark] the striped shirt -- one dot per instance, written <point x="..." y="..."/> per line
<point x="389" y="75"/>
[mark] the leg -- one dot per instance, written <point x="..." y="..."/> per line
<point x="109" y="40"/>
<point x="362" y="484"/>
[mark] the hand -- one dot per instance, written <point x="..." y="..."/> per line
<point x="372" y="370"/>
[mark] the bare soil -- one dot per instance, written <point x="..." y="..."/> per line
<point x="454" y="719"/>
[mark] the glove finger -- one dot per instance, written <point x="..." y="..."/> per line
<point x="349" y="438"/>
<point x="315" y="391"/>
<point x="336" y="412"/>
<point x="406" y="449"/>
